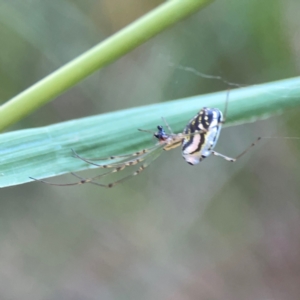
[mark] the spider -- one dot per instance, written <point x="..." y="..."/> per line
<point x="198" y="140"/>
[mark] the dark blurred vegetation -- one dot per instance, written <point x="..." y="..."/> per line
<point x="213" y="231"/>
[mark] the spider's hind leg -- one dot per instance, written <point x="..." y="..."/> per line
<point x="238" y="156"/>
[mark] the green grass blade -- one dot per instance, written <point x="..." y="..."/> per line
<point x="109" y="50"/>
<point x="46" y="151"/>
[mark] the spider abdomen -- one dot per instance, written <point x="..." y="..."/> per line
<point x="202" y="135"/>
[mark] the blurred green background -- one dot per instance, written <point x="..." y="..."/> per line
<point x="213" y="231"/>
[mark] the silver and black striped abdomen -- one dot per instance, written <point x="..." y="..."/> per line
<point x="203" y="132"/>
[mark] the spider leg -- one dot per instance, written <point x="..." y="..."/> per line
<point x="116" y="168"/>
<point x="112" y="184"/>
<point x="238" y="156"/>
<point x="90" y="160"/>
<point x="56" y="184"/>
<point x="129" y="162"/>
<point x="144" y="130"/>
<point x="168" y="126"/>
<point x="252" y="145"/>
<point x="84" y="180"/>
<point x="109" y="185"/>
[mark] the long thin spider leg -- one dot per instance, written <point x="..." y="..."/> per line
<point x="89" y="160"/>
<point x="121" y="166"/>
<point x="167" y="124"/>
<point x="90" y="180"/>
<point x="126" y="163"/>
<point x="144" y="130"/>
<point x="138" y="171"/>
<point x="117" y="167"/>
<point x="109" y="185"/>
<point x="83" y="181"/>
<point x="129" y="162"/>
<point x="56" y="184"/>
<point x="252" y="145"/>
<point x="240" y="155"/>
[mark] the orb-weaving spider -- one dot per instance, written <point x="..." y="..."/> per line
<point x="198" y="141"/>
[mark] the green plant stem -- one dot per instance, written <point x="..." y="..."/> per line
<point x="107" y="51"/>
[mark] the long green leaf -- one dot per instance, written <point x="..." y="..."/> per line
<point x="46" y="151"/>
